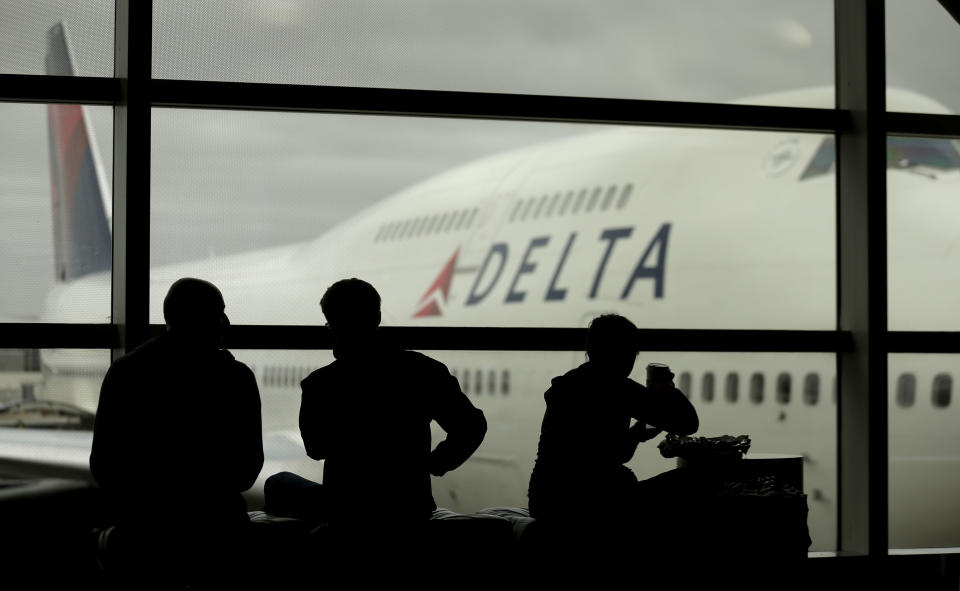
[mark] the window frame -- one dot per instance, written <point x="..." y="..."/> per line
<point x="860" y="122"/>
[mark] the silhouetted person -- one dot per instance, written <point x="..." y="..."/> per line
<point x="368" y="416"/>
<point x="177" y="439"/>
<point x="587" y="437"/>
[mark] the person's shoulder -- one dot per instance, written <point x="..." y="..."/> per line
<point x="144" y="353"/>
<point x="581" y="373"/>
<point x="419" y="361"/>
<point x="236" y="366"/>
<point x="318" y="377"/>
<point x="562" y="384"/>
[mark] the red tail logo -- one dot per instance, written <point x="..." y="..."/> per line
<point x="429" y="304"/>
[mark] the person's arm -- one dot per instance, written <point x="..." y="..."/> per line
<point x="671" y="411"/>
<point x="316" y="437"/>
<point x="464" y="424"/>
<point x="108" y="445"/>
<point x="636" y="434"/>
<point x="665" y="408"/>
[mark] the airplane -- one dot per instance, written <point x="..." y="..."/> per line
<point x="673" y="228"/>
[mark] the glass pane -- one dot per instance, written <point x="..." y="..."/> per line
<point x="606" y="49"/>
<point x="924" y="468"/>
<point x="32" y="30"/>
<point x="922" y="39"/>
<point x="48" y="398"/>
<point x="55" y="252"/>
<point x="702" y="242"/>
<point x="500" y="471"/>
<point x="923" y="176"/>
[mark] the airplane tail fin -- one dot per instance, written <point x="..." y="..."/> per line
<point x="81" y="227"/>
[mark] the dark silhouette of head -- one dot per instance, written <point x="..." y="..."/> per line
<point x="352" y="309"/>
<point x="612" y="344"/>
<point x="194" y="310"/>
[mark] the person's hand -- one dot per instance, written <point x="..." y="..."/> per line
<point x="662" y="385"/>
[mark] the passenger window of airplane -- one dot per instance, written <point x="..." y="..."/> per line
<point x="402" y="230"/>
<point x="566" y="203"/>
<point x="594" y="197"/>
<point x="580" y="197"/>
<point x="492" y="382"/>
<point x="732" y="391"/>
<point x="441" y="222"/>
<point x="465" y="382"/>
<point x="526" y="208"/>
<point x="473" y="214"/>
<point x="505" y="382"/>
<point x="706" y="387"/>
<point x="451" y="218"/>
<point x="942" y="387"/>
<point x="811" y="388"/>
<point x="478" y="382"/>
<point x="906" y="390"/>
<point x="608" y="198"/>
<point x="516" y="210"/>
<point x="624" y="196"/>
<point x="540" y="204"/>
<point x="684" y="384"/>
<point x="465" y="220"/>
<point x="783" y="388"/>
<point x="379" y="234"/>
<point x="431" y="224"/>
<point x="553" y="204"/>
<point x="756" y="388"/>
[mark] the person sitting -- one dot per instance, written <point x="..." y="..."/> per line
<point x="176" y="440"/>
<point x="367" y="415"/>
<point x="586" y="436"/>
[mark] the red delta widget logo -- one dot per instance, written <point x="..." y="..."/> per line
<point x="440" y="290"/>
<point x="650" y="265"/>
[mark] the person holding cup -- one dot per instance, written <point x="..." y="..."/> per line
<point x="595" y="419"/>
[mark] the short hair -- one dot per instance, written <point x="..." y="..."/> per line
<point x="350" y="299"/>
<point x="190" y="301"/>
<point x="611" y="333"/>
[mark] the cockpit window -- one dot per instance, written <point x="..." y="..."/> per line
<point x="902" y="152"/>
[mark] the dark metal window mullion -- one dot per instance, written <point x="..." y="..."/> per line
<point x="131" y="173"/>
<point x="862" y="436"/>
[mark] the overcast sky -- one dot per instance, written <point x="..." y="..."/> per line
<point x="227" y="181"/>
